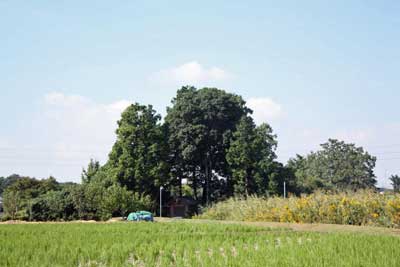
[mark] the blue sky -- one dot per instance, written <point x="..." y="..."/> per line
<point x="312" y="70"/>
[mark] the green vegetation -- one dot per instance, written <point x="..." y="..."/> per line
<point x="207" y="138"/>
<point x="188" y="244"/>
<point x="354" y="208"/>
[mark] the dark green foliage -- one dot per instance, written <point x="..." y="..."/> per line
<point x="54" y="205"/>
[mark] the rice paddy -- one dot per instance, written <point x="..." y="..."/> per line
<point x="188" y="244"/>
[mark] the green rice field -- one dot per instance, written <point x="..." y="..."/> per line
<point x="188" y="244"/>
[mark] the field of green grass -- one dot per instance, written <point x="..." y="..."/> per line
<point x="188" y="244"/>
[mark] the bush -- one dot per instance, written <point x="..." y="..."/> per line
<point x="91" y="201"/>
<point x="52" y="206"/>
<point x="361" y="208"/>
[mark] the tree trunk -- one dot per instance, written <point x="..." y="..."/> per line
<point x="247" y="183"/>
<point x="194" y="185"/>
<point x="207" y="178"/>
<point x="207" y="182"/>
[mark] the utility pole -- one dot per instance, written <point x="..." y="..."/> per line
<point x="161" y="188"/>
<point x="208" y="169"/>
<point x="284" y="189"/>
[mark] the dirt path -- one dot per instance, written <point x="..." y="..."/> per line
<point x="322" y="228"/>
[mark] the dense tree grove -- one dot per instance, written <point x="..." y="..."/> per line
<point x="200" y="125"/>
<point x="209" y="140"/>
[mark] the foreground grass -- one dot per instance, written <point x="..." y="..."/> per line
<point x="188" y="244"/>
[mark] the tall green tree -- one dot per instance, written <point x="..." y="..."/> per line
<point x="267" y="169"/>
<point x="138" y="157"/>
<point x="200" y="124"/>
<point x="251" y="156"/>
<point x="395" y="181"/>
<point x="241" y="157"/>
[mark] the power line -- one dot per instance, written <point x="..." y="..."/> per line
<point x="51" y="157"/>
<point x="386" y="145"/>
<point x="385" y="153"/>
<point x="35" y="149"/>
<point x="48" y="164"/>
<point x="389" y="159"/>
<point x="309" y="151"/>
<point x="372" y="154"/>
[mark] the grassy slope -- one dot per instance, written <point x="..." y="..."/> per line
<point x="194" y="243"/>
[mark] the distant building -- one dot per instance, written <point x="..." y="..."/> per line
<point x="181" y="207"/>
<point x="382" y="190"/>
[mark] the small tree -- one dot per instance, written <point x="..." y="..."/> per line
<point x="11" y="203"/>
<point x="91" y="171"/>
<point x="395" y="181"/>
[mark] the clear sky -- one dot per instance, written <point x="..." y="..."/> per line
<point x="312" y="69"/>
